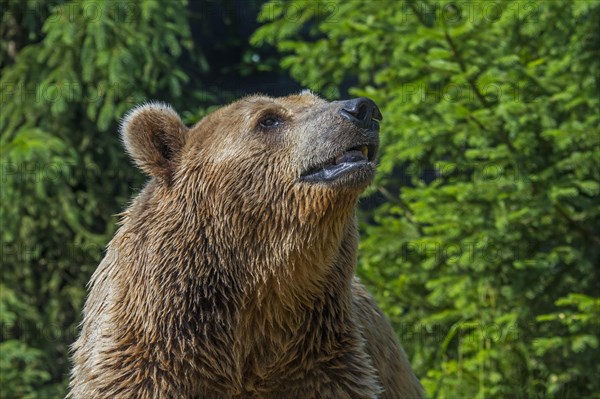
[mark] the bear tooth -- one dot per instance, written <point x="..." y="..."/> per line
<point x="365" y="151"/>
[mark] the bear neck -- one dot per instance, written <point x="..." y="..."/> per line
<point x="273" y="290"/>
<point x="286" y="250"/>
<point x="252" y="273"/>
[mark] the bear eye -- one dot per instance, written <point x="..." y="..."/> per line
<point x="270" y="121"/>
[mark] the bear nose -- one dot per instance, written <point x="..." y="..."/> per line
<point x="360" y="111"/>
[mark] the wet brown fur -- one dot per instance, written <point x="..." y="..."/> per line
<point x="230" y="279"/>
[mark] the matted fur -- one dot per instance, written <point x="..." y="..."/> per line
<point x="230" y="278"/>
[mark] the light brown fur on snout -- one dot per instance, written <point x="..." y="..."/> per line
<point x="230" y="277"/>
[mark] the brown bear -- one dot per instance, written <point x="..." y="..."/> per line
<point x="232" y="274"/>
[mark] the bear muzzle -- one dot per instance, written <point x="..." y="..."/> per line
<point x="357" y="138"/>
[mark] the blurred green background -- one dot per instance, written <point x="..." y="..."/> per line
<point x="480" y="236"/>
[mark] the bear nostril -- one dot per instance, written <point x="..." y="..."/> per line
<point x="360" y="111"/>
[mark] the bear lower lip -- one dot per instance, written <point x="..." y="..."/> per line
<point x="346" y="163"/>
<point x="331" y="173"/>
<point x="356" y="161"/>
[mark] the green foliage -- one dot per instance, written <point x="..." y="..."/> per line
<point x="485" y="253"/>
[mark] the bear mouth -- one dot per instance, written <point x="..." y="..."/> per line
<point x="350" y="160"/>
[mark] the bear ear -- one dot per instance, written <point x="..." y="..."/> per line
<point x="154" y="136"/>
